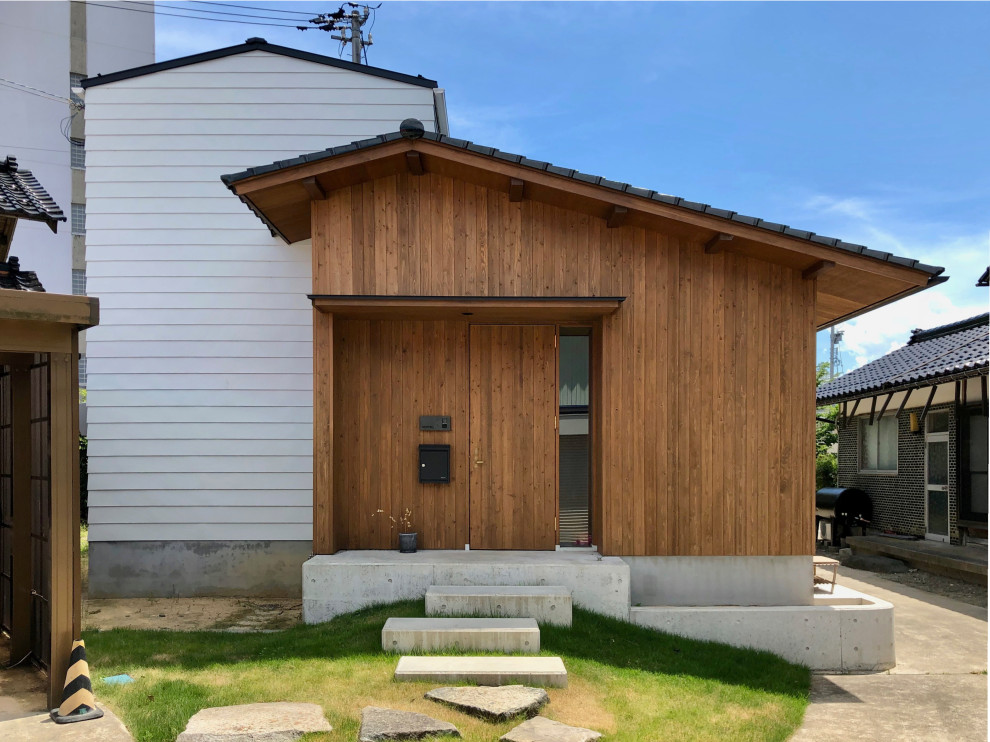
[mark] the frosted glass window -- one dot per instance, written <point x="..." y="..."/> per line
<point x="78" y="223"/>
<point x="878" y="444"/>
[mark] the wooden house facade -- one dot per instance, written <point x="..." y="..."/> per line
<point x="448" y="277"/>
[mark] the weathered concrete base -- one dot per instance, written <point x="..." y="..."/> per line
<point x="542" y="729"/>
<point x="550" y="604"/>
<point x="542" y="671"/>
<point x="492" y="703"/>
<point x="837" y="638"/>
<point x="384" y="724"/>
<point x="350" y="580"/>
<point x="40" y="728"/>
<point x="189" y="569"/>
<point x="707" y="581"/>
<point x="414" y="635"/>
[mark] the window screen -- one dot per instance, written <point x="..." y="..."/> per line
<point x="878" y="444"/>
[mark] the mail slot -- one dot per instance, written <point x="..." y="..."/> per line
<point x="434" y="463"/>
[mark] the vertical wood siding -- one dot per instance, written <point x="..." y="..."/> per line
<point x="200" y="373"/>
<point x="706" y="397"/>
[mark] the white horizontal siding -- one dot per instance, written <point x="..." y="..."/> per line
<point x="214" y="530"/>
<point x="200" y="372"/>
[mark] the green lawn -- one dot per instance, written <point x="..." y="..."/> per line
<point x="628" y="682"/>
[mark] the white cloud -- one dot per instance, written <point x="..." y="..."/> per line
<point x="889" y="225"/>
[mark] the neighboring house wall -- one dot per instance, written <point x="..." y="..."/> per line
<point x="899" y="499"/>
<point x="58" y="39"/>
<point x="200" y="374"/>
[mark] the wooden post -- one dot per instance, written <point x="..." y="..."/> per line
<point x="63" y="539"/>
<point x="324" y="541"/>
<point x="20" y="398"/>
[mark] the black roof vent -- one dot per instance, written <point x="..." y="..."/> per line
<point x="255" y="40"/>
<point x="411" y="128"/>
<point x="9" y="165"/>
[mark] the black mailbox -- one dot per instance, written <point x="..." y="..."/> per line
<point x="434" y="462"/>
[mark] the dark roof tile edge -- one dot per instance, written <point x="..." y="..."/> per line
<point x="231" y="178"/>
<point x="230" y="51"/>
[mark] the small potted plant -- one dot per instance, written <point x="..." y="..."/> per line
<point x="407" y="536"/>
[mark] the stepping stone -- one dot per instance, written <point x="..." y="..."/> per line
<point x="391" y="724"/>
<point x="543" y="671"/>
<point x="493" y="703"/>
<point x="542" y="729"/>
<point x="473" y="634"/>
<point x="255" y="722"/>
<point x="545" y="603"/>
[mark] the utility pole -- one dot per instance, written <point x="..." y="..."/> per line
<point x="356" y="39"/>
<point x="834" y="362"/>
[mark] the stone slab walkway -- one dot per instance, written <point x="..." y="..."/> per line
<point x="937" y="692"/>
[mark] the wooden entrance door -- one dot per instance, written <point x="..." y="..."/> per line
<point x="513" y="437"/>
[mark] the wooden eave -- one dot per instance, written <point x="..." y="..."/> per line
<point x="851" y="284"/>
<point x="535" y="309"/>
<point x="60" y="309"/>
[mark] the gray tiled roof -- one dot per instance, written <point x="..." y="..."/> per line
<point x="959" y="349"/>
<point x="732" y="216"/>
<point x="22" y="197"/>
<point x="12" y="277"/>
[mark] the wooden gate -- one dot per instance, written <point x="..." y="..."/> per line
<point x="513" y="437"/>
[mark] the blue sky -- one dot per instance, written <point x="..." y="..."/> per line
<point x="865" y="121"/>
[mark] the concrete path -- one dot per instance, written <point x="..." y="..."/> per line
<point x="40" y="728"/>
<point x="938" y="691"/>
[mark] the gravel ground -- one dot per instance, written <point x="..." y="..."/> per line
<point x="947" y="587"/>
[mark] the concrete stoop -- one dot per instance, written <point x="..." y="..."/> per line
<point x="847" y="632"/>
<point x="539" y="671"/>
<point x="546" y="603"/>
<point x="474" y="634"/>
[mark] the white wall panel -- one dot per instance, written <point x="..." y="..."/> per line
<point x="200" y="372"/>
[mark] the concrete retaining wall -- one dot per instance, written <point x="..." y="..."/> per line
<point x="730" y="580"/>
<point x="350" y="580"/>
<point x="182" y="569"/>
<point x="836" y="638"/>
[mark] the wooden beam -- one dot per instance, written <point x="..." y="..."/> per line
<point x="900" y="409"/>
<point x="414" y="163"/>
<point x="983" y="393"/>
<point x="617" y="216"/>
<point x="958" y="384"/>
<point x="928" y="404"/>
<point x="965" y="391"/>
<point x="855" y="407"/>
<point x="36" y="306"/>
<point x="313" y="188"/>
<point x="718" y="243"/>
<point x="324" y="527"/>
<point x="63" y="539"/>
<point x="516" y="186"/>
<point x="886" y="402"/>
<point x="816" y="269"/>
<point x="21" y="583"/>
<point x="873" y="407"/>
<point x="523" y="310"/>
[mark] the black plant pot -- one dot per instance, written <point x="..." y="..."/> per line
<point x="407" y="543"/>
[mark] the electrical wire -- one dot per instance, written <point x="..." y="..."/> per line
<point x="192" y="17"/>
<point x="197" y="10"/>
<point x="251" y="7"/>
<point x="36" y="91"/>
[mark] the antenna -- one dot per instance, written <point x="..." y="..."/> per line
<point x="347" y="27"/>
<point x="834" y="360"/>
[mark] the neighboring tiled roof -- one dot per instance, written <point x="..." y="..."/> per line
<point x="956" y="350"/>
<point x="12" y="277"/>
<point x="256" y="44"/>
<point x="232" y="178"/>
<point x="984" y="279"/>
<point x="22" y="197"/>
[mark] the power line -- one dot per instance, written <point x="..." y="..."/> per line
<point x="251" y="7"/>
<point x="216" y="12"/>
<point x="192" y="17"/>
<point x="36" y="91"/>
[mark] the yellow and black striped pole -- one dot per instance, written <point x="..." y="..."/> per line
<point x="78" y="703"/>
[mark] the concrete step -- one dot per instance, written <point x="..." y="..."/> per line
<point x="545" y="603"/>
<point x="474" y="634"/>
<point x="541" y="671"/>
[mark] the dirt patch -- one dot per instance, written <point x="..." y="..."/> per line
<point x="191" y="614"/>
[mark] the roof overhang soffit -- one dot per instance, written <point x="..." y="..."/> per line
<point x="847" y="284"/>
